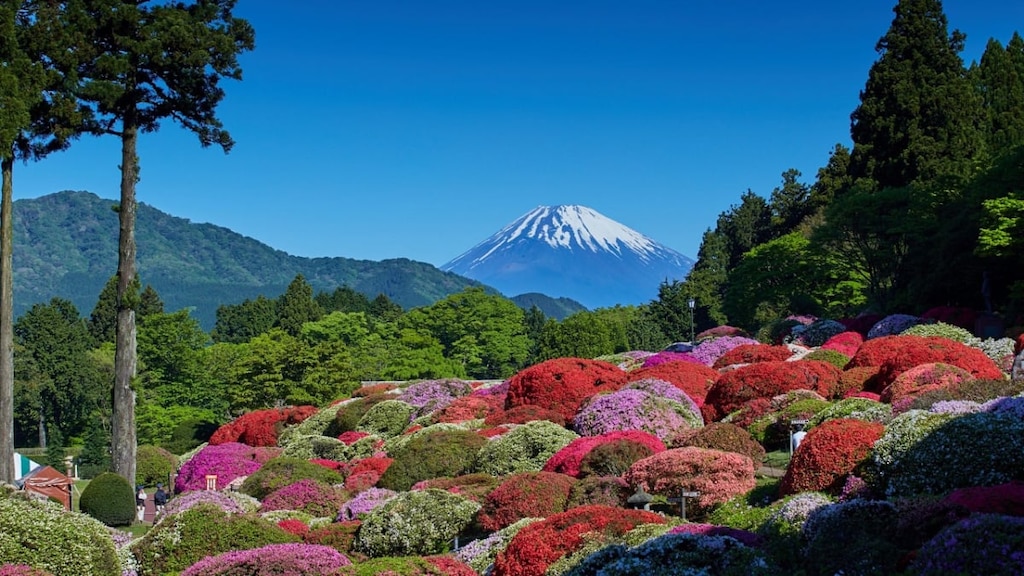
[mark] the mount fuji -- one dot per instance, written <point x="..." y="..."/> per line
<point x="575" y="252"/>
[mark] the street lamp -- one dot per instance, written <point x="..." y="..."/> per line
<point x="692" y="304"/>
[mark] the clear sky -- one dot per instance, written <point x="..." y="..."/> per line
<point x="384" y="129"/>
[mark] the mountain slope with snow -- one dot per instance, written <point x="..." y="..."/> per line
<point x="575" y="252"/>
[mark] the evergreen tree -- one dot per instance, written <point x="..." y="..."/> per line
<point x="745" y="225"/>
<point x="707" y="281"/>
<point x="343" y="299"/>
<point x="138" y="64"/>
<point x="533" y="324"/>
<point x="239" y="323"/>
<point x="296" y="307"/>
<point x="150" y="302"/>
<point x="103" y="319"/>
<point x="95" y="456"/>
<point x="789" y="204"/>
<point x="999" y="78"/>
<point x="832" y="180"/>
<point x="918" y="114"/>
<point x="383" y="309"/>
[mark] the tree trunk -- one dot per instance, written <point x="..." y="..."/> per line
<point x="123" y="420"/>
<point x="7" y="323"/>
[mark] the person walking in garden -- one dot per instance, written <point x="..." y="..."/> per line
<point x="140" y="501"/>
<point x="160" y="498"/>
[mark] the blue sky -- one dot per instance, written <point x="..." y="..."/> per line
<point x="388" y="129"/>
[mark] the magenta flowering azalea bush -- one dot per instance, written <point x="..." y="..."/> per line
<point x="307" y="495"/>
<point x="718" y="476"/>
<point x="666" y="356"/>
<point x="364" y="503"/>
<point x="230" y="504"/>
<point x="634" y="409"/>
<point x="430" y="395"/>
<point x="978" y="544"/>
<point x="271" y="560"/>
<point x="226" y="461"/>
<point x="708" y="351"/>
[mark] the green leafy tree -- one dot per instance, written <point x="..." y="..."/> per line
<point x="170" y="353"/>
<point x="832" y="179"/>
<point x="587" y="334"/>
<point x="412" y="355"/>
<point x="745" y="225"/>
<point x="95" y="455"/>
<point x="296" y="307"/>
<point x="999" y="78"/>
<point x="242" y="322"/>
<point x="138" y="64"/>
<point x="533" y="323"/>
<point x="343" y="299"/>
<point x="103" y="319"/>
<point x="918" y="116"/>
<point x="382" y="308"/>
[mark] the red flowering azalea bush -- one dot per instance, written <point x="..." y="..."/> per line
<point x="293" y="526"/>
<point x="352" y="436"/>
<point x="470" y="407"/>
<point x="474" y="486"/>
<point x="720" y="331"/>
<point x="896" y="354"/>
<point x="765" y="380"/>
<point x="525" y="495"/>
<point x="568" y="459"/>
<point x="366" y="472"/>
<point x="539" y="544"/>
<point x="270" y="560"/>
<point x="717" y="475"/>
<point x="1005" y="499"/>
<point x="722" y="436"/>
<point x="828" y="454"/>
<point x="924" y="378"/>
<point x="751" y="353"/>
<point x="861" y="324"/>
<point x="692" y="378"/>
<point x="450" y="566"/>
<point x="562" y="384"/>
<point x="260" y="428"/>
<point x="340" y="535"/>
<point x="523" y="414"/>
<point x="225" y="461"/>
<point x="314" y="497"/>
<point x="846" y="343"/>
<point x="853" y="381"/>
<point x="374" y="389"/>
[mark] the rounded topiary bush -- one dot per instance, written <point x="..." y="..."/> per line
<point x="718" y="476"/>
<point x="858" y="408"/>
<point x="229" y="502"/>
<point x="181" y="540"/>
<point x="415" y="523"/>
<point x="45" y="536"/>
<point x="225" y="461"/>
<point x="430" y="395"/>
<point x="819" y="332"/>
<point x="260" y="427"/>
<point x="22" y="570"/>
<point x="525" y="448"/>
<point x="568" y="459"/>
<point x="110" y="499"/>
<point x="846" y="343"/>
<point x="386" y="419"/>
<point x="432" y="454"/>
<point x="603" y="490"/>
<point x="829" y="454"/>
<point x="154" y="464"/>
<point x="676" y="553"/>
<point x="190" y="434"/>
<point x="896" y="354"/>
<point x="924" y="378"/>
<point x="525" y="495"/>
<point x="854" y="537"/>
<point x="942" y="329"/>
<point x="833" y="357"/>
<point x="765" y="380"/>
<point x="472" y="407"/>
<point x="693" y="378"/>
<point x="282" y="471"/>
<point x="709" y="351"/>
<point x="523" y="414"/>
<point x="562" y="384"/>
<point x="313" y="497"/>
<point x="347" y="417"/>
<point x="894" y="324"/>
<point x="614" y="458"/>
<point x="772" y="429"/>
<point x="363" y="503"/>
<point x="538" y="545"/>
<point x="635" y="409"/>
<point x="722" y="436"/>
<point x="980" y="544"/>
<point x="408" y="566"/>
<point x="752" y="353"/>
<point x="475" y="486"/>
<point x="271" y="560"/>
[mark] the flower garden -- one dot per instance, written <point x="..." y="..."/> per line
<point x="912" y="463"/>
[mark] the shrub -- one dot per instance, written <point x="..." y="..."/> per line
<point x="896" y="354"/>
<point x="476" y="487"/>
<point x="430" y="395"/>
<point x="960" y="317"/>
<point x="1001" y="499"/>
<point x="398" y="566"/>
<point x="415" y="523"/>
<point x="227" y="502"/>
<point x="633" y="409"/>
<point x="858" y="408"/>
<point x="614" y="458"/>
<point x="374" y="389"/>
<point x="470" y="407"/>
<point x="893" y="324"/>
<point x="45" y="536"/>
<point x="348" y="415"/>
<point x="338" y="535"/>
<point x="110" y="499"/>
<point x="970" y="390"/>
<point x="311" y="496"/>
<point x="952" y="452"/>
<point x="523" y="414"/>
<point x="672" y="554"/>
<point x="694" y="379"/>
<point x="432" y="454"/>
<point x="525" y="448"/>
<point x="854" y="381"/>
<point x="773" y="428"/>
<point x="525" y="495"/>
<point x="363" y="503"/>
<point x="720" y="331"/>
<point x="819" y="332"/>
<point x="190" y="434"/>
<point x="366" y="472"/>
<point x="562" y="384"/>
<point x="752" y="353"/>
<point x="271" y="560"/>
<point x="260" y="427"/>
<point x="980" y="544"/>
<point x="942" y="329"/>
<point x="855" y="537"/>
<point x="180" y="541"/>
<point x="828" y="454"/>
<point x="765" y="380"/>
<point x="154" y="464"/>
<point x="862" y="323"/>
<point x="709" y="351"/>
<point x="282" y="471"/>
<point x="226" y="461"/>
<point x="846" y="343"/>
<point x="480" y="554"/>
<point x="924" y="378"/>
<point x="22" y="570"/>
<point x="387" y="418"/>
<point x="603" y="490"/>
<point x="539" y="544"/>
<point x="781" y="531"/>
<point x="722" y="436"/>
<point x="717" y="475"/>
<point x="833" y="357"/>
<point x="700" y="529"/>
<point x="666" y="356"/>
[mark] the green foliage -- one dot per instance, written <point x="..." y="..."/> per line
<point x="44" y="535"/>
<point x="525" y="448"/>
<point x="398" y="566"/>
<point x="837" y="359"/>
<point x="282" y="471"/>
<point x="110" y="499"/>
<point x="154" y="464"/>
<point x="95" y="455"/>
<point x="421" y="523"/>
<point x="296" y="307"/>
<point x="189" y="433"/>
<point x="433" y="453"/>
<point x="386" y="419"/>
<point x="183" y="539"/>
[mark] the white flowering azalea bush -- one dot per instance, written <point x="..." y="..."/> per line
<point x="480" y="554"/>
<point x="857" y="408"/>
<point x="319" y="424"/>
<point x="312" y="446"/>
<point x="525" y="448"/>
<point x="901" y="435"/>
<point x="782" y="530"/>
<point x="387" y="419"/>
<point x="677" y="554"/>
<point x="44" y="535"/>
<point x="421" y="522"/>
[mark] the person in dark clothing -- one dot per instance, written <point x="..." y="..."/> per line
<point x="160" y="498"/>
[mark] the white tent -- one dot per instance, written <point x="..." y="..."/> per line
<point x="23" y="465"/>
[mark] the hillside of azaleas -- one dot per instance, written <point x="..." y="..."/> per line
<point x="910" y="461"/>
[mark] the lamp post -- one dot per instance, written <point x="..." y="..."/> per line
<point x="692" y="304"/>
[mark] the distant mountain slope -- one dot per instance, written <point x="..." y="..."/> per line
<point x="575" y="252"/>
<point x="557" y="308"/>
<point x="65" y="244"/>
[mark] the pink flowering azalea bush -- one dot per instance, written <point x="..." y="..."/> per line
<point x="308" y="495"/>
<point x="718" y="476"/>
<point x="665" y="356"/>
<point x="924" y="378"/>
<point x="230" y="504"/>
<point x="364" y="503"/>
<point x="634" y="409"/>
<point x="225" y="461"/>
<point x="1001" y="499"/>
<point x="430" y="395"/>
<point x="845" y="343"/>
<point x="271" y="560"/>
<point x="709" y="351"/>
<point x="22" y="570"/>
<point x="568" y="459"/>
<point x="693" y="378"/>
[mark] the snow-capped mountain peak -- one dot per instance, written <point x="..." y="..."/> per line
<point x="572" y="251"/>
